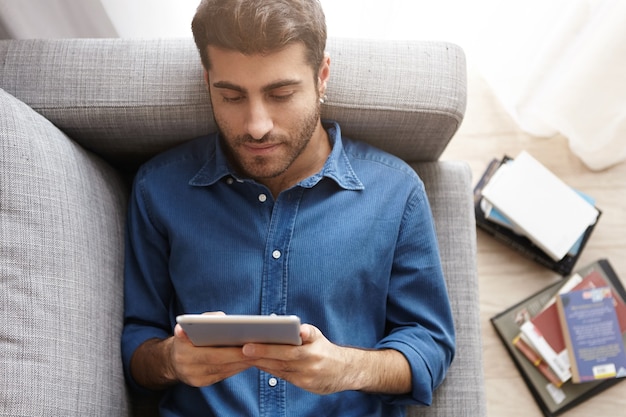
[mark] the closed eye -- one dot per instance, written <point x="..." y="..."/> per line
<point x="232" y="99"/>
<point x="282" y="97"/>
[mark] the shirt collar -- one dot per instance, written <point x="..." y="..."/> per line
<point x="337" y="166"/>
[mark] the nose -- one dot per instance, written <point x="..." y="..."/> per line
<point x="259" y="121"/>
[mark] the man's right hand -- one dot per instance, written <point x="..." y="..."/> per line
<point x="202" y="366"/>
<point x="157" y="364"/>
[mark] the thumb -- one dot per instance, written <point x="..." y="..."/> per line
<point x="308" y="333"/>
<point x="180" y="333"/>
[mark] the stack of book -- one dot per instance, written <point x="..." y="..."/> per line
<point x="523" y="204"/>
<point x="568" y="339"/>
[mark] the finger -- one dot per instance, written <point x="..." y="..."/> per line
<point x="213" y="313"/>
<point x="308" y="333"/>
<point x="180" y="334"/>
<point x="256" y="351"/>
<point x="201" y="366"/>
<point x="208" y="374"/>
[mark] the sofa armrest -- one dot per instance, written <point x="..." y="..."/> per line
<point x="449" y="189"/>
<point x="62" y="213"/>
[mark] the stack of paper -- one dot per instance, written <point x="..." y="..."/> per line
<point x="539" y="205"/>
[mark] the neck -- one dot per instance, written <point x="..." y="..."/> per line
<point x="310" y="162"/>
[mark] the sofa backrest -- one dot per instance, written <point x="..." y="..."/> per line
<point x="129" y="99"/>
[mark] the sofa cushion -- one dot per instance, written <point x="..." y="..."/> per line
<point x="61" y="261"/>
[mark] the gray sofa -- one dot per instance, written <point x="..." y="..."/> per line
<point x="76" y="119"/>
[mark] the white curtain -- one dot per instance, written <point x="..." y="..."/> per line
<point x="559" y="66"/>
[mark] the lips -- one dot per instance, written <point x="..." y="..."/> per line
<point x="261" y="149"/>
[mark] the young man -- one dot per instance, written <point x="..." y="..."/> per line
<point x="277" y="213"/>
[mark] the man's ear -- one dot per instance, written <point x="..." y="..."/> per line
<point x="206" y="78"/>
<point x="324" y="74"/>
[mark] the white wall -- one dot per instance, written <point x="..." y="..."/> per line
<point x="23" y="19"/>
<point x="451" y="20"/>
<point x="151" y="18"/>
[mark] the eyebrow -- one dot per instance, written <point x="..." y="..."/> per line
<point x="272" y="86"/>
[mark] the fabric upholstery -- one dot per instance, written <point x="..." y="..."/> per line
<point x="117" y="98"/>
<point x="62" y="208"/>
<point x="61" y="220"/>
<point x="446" y="184"/>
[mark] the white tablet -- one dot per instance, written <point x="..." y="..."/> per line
<point x="237" y="330"/>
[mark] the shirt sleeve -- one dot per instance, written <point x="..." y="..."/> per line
<point x="147" y="288"/>
<point x="419" y="318"/>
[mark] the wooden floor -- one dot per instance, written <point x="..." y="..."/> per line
<point x="506" y="277"/>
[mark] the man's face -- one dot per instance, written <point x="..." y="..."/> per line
<point x="268" y="112"/>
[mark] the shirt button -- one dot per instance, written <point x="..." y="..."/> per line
<point x="262" y="198"/>
<point x="272" y="382"/>
<point x="276" y="254"/>
<point x="230" y="181"/>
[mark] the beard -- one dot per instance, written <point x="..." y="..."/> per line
<point x="291" y="145"/>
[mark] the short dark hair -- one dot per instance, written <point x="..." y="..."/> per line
<point x="260" y="27"/>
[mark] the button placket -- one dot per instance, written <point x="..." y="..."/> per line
<point x="274" y="287"/>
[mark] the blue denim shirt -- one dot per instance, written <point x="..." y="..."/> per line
<point x="351" y="250"/>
